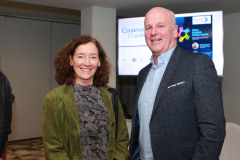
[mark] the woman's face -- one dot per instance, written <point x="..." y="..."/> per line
<point x="85" y="62"/>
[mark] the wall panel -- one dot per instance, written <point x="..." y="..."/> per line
<point x="61" y="34"/>
<point x="28" y="47"/>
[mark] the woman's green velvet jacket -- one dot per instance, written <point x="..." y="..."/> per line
<point x="61" y="130"/>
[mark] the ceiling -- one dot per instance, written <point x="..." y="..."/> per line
<point x="131" y="8"/>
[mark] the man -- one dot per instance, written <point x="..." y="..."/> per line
<point x="6" y="100"/>
<point x="179" y="112"/>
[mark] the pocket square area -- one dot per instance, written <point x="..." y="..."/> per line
<point x="176" y="84"/>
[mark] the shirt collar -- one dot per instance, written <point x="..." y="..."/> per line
<point x="165" y="57"/>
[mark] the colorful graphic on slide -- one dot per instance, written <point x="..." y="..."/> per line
<point x="186" y="36"/>
<point x="195" y="34"/>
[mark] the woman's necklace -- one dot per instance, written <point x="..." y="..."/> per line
<point x="84" y="91"/>
<point x="87" y="89"/>
<point x="87" y="96"/>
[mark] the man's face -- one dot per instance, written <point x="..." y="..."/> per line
<point x="160" y="33"/>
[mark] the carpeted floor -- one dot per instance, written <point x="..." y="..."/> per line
<point x="30" y="149"/>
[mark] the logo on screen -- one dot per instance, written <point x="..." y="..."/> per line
<point x="201" y="20"/>
<point x="185" y="32"/>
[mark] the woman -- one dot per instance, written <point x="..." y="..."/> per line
<point x="78" y="120"/>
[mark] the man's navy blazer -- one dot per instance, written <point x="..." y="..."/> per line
<point x="187" y="121"/>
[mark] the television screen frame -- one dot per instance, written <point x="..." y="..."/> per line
<point x="205" y="35"/>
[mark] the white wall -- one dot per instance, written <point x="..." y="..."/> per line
<point x="27" y="59"/>
<point x="28" y="47"/>
<point x="231" y="78"/>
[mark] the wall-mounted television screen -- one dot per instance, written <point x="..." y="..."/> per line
<point x="200" y="32"/>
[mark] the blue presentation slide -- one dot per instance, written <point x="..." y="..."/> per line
<point x="195" y="34"/>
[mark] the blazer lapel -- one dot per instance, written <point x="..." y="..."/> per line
<point x="171" y="67"/>
<point x="69" y="101"/>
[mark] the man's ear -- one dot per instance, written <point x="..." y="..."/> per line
<point x="175" y="29"/>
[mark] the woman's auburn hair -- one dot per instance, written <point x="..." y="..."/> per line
<point x="64" y="71"/>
